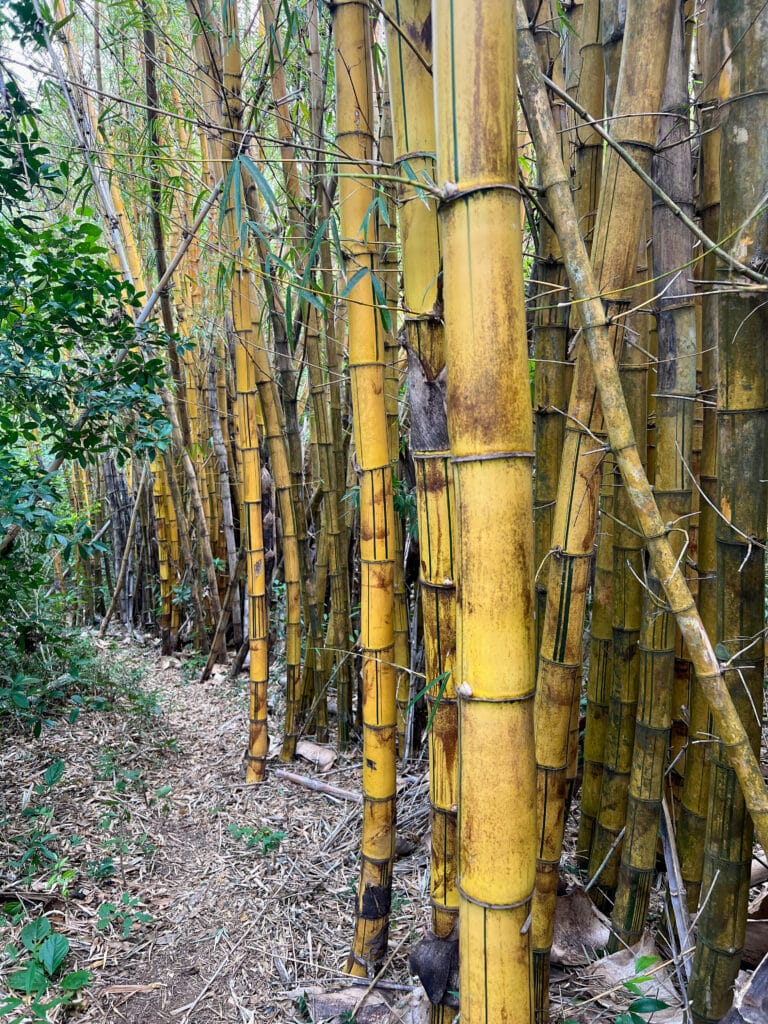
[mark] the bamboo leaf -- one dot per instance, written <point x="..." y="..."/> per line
<point x="356" y="278"/>
<point x="289" y="313"/>
<point x="261" y="183"/>
<point x="225" y="191"/>
<point x="381" y="300"/>
<point x="317" y="239"/>
<point x="337" y="241"/>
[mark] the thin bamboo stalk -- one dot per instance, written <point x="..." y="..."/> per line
<point x="354" y="140"/>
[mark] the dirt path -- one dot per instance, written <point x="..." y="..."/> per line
<point x="222" y="901"/>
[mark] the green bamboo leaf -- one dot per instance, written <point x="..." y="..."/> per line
<point x="381" y="300"/>
<point x="317" y="239"/>
<point x="355" y="279"/>
<point x="225" y="192"/>
<point x="337" y="241"/>
<point x="289" y="313"/>
<point x="237" y="189"/>
<point x="261" y="183"/>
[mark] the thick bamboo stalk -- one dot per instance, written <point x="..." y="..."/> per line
<point x="695" y="798"/>
<point x="614" y="257"/>
<point x="247" y="342"/>
<point x="414" y="136"/>
<point x="490" y="429"/>
<point x="676" y="385"/>
<point x="389" y="271"/>
<point x="354" y="139"/>
<point x="742" y="499"/>
<point x="588" y="88"/>
<point x="550" y="330"/>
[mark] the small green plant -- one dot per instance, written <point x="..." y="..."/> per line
<point x="36" y="845"/>
<point x="122" y="916"/>
<point x="192" y="666"/>
<point x="266" y="838"/>
<point x="11" y="914"/>
<point x="639" y="1009"/>
<point x="100" y="870"/>
<point x="37" y="974"/>
<point x="643" y="1005"/>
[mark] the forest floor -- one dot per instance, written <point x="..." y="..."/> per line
<point x="193" y="898"/>
<point x="189" y="895"/>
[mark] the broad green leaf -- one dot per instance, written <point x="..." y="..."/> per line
<point x="647" y="1005"/>
<point x="53" y="773"/>
<point x="75" y="980"/>
<point x="30" y="979"/>
<point x="53" y="952"/>
<point x="261" y="183"/>
<point x="642" y="963"/>
<point x="32" y="934"/>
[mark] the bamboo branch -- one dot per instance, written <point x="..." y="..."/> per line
<point x="692" y="226"/>
<point x="555" y="182"/>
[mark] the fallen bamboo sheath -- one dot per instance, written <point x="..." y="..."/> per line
<point x="589" y="306"/>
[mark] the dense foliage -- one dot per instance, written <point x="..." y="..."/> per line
<point x="76" y="379"/>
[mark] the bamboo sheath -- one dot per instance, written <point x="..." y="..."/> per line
<point x="614" y="255"/>
<point x="490" y="429"/>
<point x="596" y="334"/>
<point x="354" y="92"/>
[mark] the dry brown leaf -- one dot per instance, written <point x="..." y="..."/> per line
<point x="606" y="981"/>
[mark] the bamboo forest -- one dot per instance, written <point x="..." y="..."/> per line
<point x="383" y="506"/>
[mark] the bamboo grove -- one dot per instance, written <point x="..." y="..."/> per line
<point x="464" y="388"/>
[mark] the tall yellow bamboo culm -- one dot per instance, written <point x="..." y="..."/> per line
<point x="491" y="435"/>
